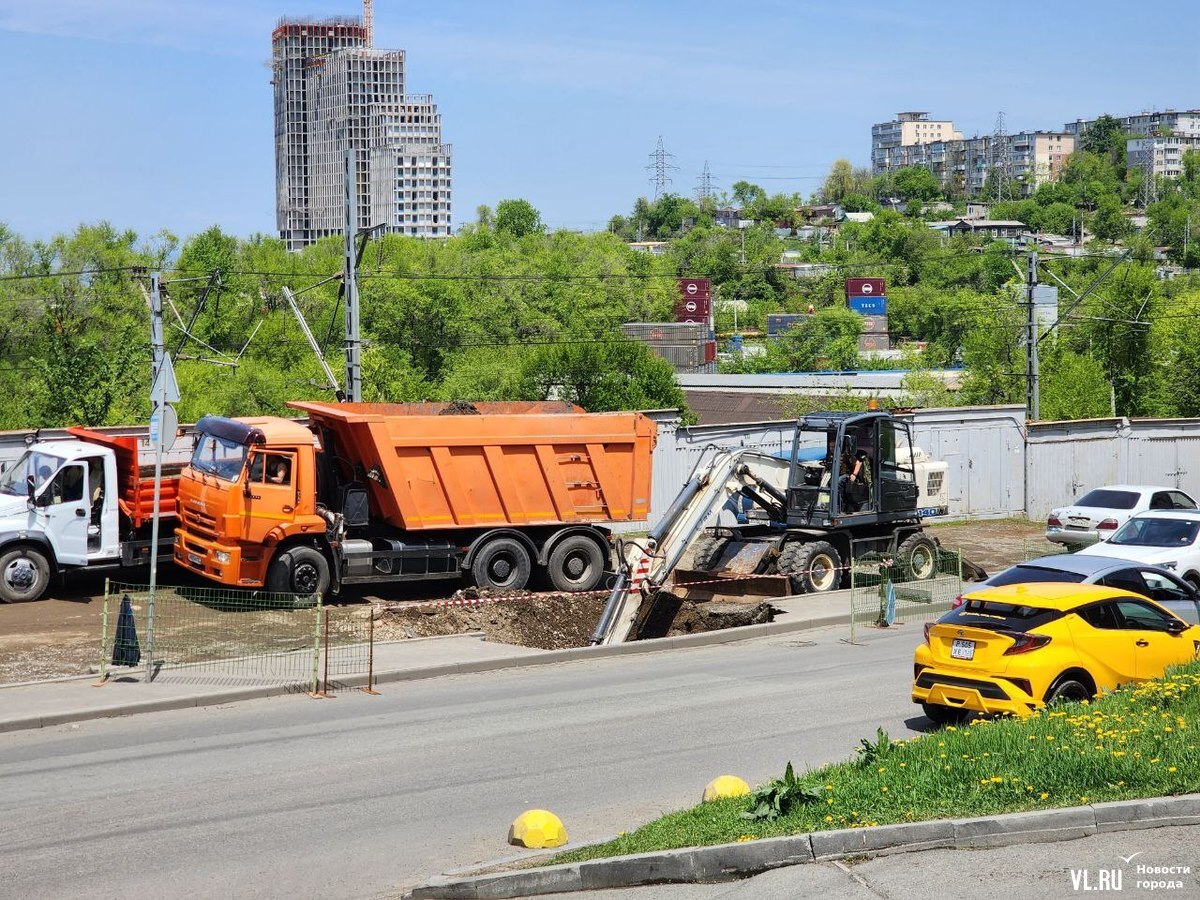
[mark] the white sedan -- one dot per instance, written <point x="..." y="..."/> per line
<point x="1170" y="539"/>
<point x="1100" y="512"/>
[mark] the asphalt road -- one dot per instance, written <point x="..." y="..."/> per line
<point x="359" y="795"/>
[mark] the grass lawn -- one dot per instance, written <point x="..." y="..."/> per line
<point x="1141" y="741"/>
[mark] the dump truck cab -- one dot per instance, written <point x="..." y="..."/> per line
<point x="250" y="486"/>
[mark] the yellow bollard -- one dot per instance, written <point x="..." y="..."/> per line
<point x="725" y="786"/>
<point x="537" y="829"/>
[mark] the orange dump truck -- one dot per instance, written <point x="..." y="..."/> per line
<point x="377" y="492"/>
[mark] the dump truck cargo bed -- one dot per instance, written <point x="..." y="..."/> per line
<point x="434" y="466"/>
<point x="135" y="477"/>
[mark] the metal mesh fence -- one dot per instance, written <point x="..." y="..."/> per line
<point x="887" y="590"/>
<point x="1042" y="547"/>
<point x="226" y="636"/>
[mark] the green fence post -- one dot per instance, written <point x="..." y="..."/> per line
<point x="316" y="658"/>
<point x="853" y="591"/>
<point x="104" y="635"/>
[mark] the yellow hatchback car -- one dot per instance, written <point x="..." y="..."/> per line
<point x="1015" y="648"/>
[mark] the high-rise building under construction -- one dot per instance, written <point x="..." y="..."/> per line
<point x="335" y="92"/>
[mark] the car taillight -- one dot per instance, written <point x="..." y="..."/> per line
<point x="928" y="628"/>
<point x="1107" y="525"/>
<point x="958" y="601"/>
<point x="1023" y="643"/>
<point x="1053" y="522"/>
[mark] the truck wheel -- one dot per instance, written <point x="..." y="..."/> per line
<point x="918" y="557"/>
<point x="708" y="550"/>
<point x="576" y="564"/>
<point x="814" y="568"/>
<point x="501" y="564"/>
<point x="24" y="575"/>
<point x="301" y="571"/>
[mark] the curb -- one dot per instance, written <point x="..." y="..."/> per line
<point x="534" y="658"/>
<point x="729" y="862"/>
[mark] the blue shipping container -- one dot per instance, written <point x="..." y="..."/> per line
<point x="777" y="323"/>
<point x="869" y="306"/>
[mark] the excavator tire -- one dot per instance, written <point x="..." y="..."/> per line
<point x="814" y="567"/>
<point x="918" y="557"/>
<point x="708" y="550"/>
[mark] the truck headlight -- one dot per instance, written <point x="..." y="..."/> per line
<point x="222" y="557"/>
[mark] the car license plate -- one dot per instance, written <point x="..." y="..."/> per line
<point x="1079" y="521"/>
<point x="195" y="560"/>
<point x="961" y="649"/>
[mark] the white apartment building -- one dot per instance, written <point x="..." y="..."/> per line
<point x="1179" y="123"/>
<point x="908" y="129"/>
<point x="1166" y="153"/>
<point x="333" y="93"/>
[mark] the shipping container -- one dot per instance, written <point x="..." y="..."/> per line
<point x="710" y="352"/>
<point x="865" y="287"/>
<point x="868" y="342"/>
<point x="667" y="332"/>
<point x="777" y="323"/>
<point x="695" y="288"/>
<point x="874" y="324"/>
<point x="868" y="306"/>
<point x="692" y="307"/>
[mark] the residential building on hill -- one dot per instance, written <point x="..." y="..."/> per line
<point x="891" y="140"/>
<point x="1165" y="154"/>
<point x="334" y="92"/>
<point x="1181" y="123"/>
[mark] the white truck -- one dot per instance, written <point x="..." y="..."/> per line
<point x="82" y="503"/>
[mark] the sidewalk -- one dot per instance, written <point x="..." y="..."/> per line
<point x="46" y="703"/>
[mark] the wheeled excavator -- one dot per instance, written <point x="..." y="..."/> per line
<point x="851" y="485"/>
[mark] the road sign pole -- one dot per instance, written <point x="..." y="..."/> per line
<point x="157" y="402"/>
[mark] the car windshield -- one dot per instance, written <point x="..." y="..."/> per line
<point x="997" y="616"/>
<point x="1025" y="574"/>
<point x="33" y="462"/>
<point x="1150" y="532"/>
<point x="218" y="456"/>
<point x="1105" y="498"/>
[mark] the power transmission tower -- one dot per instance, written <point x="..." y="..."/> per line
<point x="660" y="168"/>
<point x="1148" y="192"/>
<point x="705" y="189"/>
<point x="1001" y="174"/>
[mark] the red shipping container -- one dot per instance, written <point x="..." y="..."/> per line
<point x="687" y="317"/>
<point x="695" y="288"/>
<point x="693" y="307"/>
<point x="866" y="287"/>
<point x="710" y="352"/>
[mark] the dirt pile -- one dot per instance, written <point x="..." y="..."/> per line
<point x="554" y="621"/>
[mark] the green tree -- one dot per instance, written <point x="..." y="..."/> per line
<point x="1109" y="222"/>
<point x="518" y="218"/>
<point x="839" y="182"/>
<point x="916" y="183"/>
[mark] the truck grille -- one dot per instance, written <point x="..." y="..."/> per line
<point x="201" y="523"/>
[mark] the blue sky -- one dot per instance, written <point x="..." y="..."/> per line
<point x="157" y="113"/>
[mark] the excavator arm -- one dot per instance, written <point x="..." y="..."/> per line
<point x="647" y="563"/>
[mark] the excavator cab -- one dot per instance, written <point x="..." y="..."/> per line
<point x="850" y="467"/>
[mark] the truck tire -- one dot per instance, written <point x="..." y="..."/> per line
<point x="918" y="557"/>
<point x="501" y="564"/>
<point x="300" y="571"/>
<point x="24" y="574"/>
<point x="708" y="550"/>
<point x="814" y="567"/>
<point x="576" y="564"/>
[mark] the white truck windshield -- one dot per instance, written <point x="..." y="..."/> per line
<point x="40" y="465"/>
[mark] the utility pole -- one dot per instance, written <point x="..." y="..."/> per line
<point x="350" y="280"/>
<point x="1031" y="339"/>
<point x="158" y="402"/>
<point x="705" y="190"/>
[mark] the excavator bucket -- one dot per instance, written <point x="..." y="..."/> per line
<point x="693" y="585"/>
